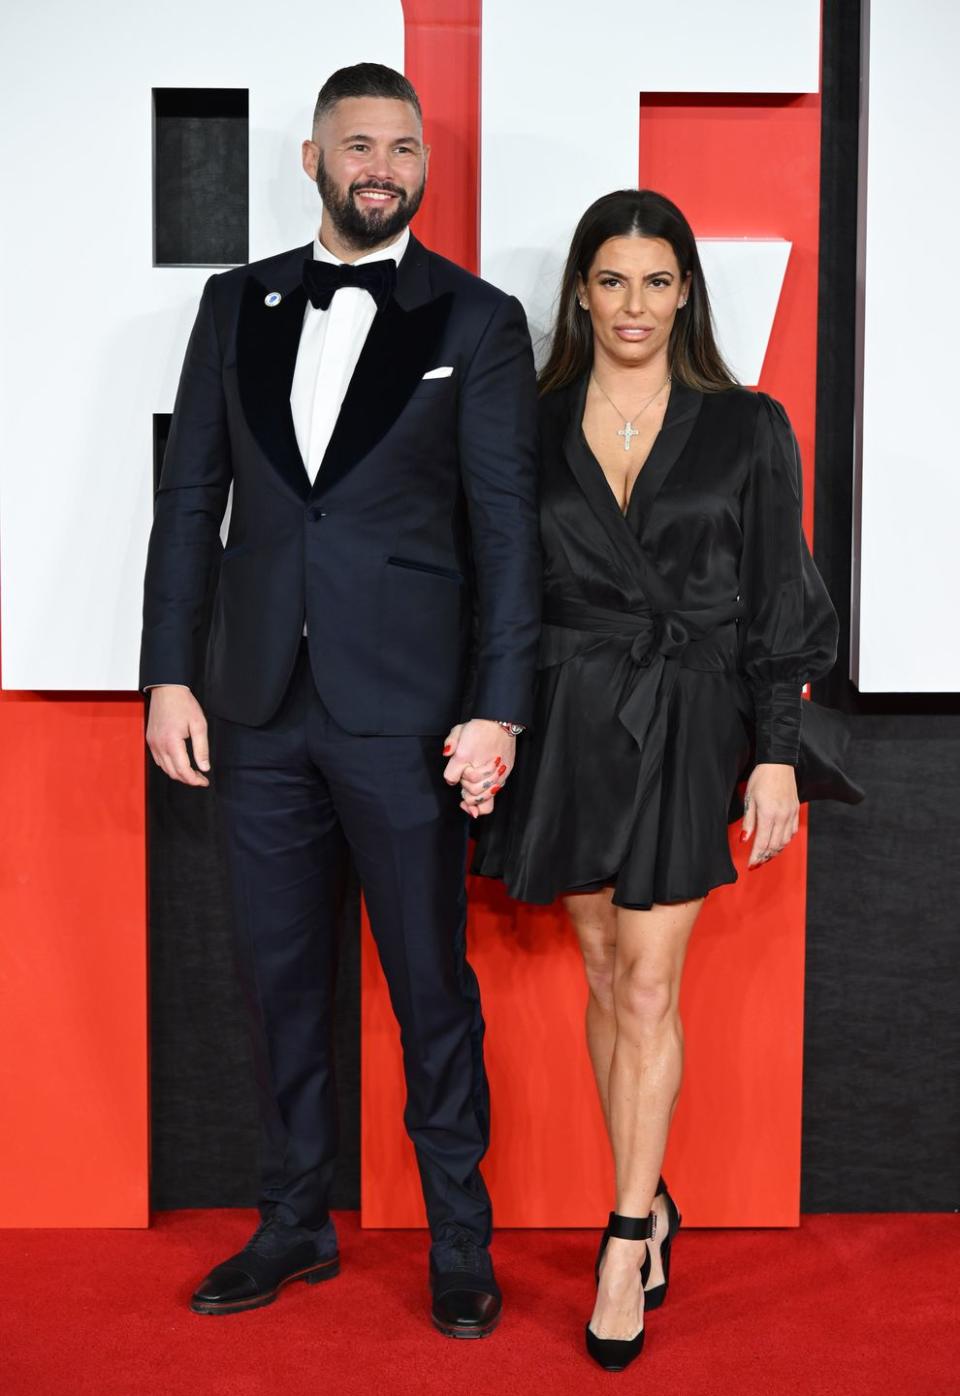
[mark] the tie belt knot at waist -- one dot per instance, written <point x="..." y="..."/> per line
<point x="660" y="644"/>
<point x="696" y="638"/>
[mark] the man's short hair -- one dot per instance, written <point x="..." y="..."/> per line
<point x="365" y="80"/>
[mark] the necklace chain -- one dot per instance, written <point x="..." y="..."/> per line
<point x="627" y="430"/>
<point x="639" y="410"/>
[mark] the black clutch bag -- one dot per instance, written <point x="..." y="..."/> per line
<point x="821" y="774"/>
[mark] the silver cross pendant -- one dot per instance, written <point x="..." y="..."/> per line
<point x="628" y="432"/>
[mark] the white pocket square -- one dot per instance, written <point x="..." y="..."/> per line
<point x="439" y="372"/>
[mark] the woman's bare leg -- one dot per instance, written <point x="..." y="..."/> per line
<point x="594" y="919"/>
<point x="644" y="1082"/>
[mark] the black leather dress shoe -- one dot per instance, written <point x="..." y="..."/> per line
<point x="275" y="1254"/>
<point x="466" y="1298"/>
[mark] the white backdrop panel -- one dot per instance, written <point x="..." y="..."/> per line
<point x="91" y="334"/>
<point x="906" y="559"/>
<point x="560" y="110"/>
<point x="744" y="277"/>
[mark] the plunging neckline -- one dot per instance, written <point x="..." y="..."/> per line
<point x="683" y="407"/>
<point x="669" y="416"/>
<point x="624" y="511"/>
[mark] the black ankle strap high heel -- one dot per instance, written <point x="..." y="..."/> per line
<point x="613" y="1354"/>
<point x="633" y="1221"/>
<point x="654" y="1297"/>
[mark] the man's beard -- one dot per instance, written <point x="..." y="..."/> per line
<point x="364" y="229"/>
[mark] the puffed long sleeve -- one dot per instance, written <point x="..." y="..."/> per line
<point x="790" y="625"/>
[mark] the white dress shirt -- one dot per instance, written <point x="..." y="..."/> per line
<point x="330" y="345"/>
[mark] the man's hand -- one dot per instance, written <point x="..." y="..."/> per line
<point x="481" y="757"/>
<point x="771" y="811"/>
<point x="176" y="715"/>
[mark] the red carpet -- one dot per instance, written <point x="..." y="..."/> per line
<point x="845" y="1306"/>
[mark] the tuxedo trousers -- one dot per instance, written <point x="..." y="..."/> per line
<point x="296" y="798"/>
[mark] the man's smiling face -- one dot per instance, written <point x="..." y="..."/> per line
<point x="370" y="165"/>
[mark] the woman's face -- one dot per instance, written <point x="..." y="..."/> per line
<point x="633" y="293"/>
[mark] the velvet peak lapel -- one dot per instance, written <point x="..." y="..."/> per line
<point x="268" y="337"/>
<point x="399" y="349"/>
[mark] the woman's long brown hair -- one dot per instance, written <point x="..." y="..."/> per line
<point x="694" y="358"/>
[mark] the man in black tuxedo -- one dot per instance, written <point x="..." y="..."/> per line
<point x="376" y="607"/>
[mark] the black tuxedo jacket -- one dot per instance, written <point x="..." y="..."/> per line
<point x="414" y="558"/>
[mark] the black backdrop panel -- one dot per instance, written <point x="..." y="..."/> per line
<point x="203" y="1111"/>
<point x="881" y="1118"/>
<point x="161" y="430"/>
<point x="881" y="1106"/>
<point x="200" y="176"/>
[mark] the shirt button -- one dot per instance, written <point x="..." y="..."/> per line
<point x="315" y="513"/>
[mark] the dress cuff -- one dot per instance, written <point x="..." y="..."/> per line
<point x="777" y="712"/>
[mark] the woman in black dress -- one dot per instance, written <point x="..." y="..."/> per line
<point x="682" y="616"/>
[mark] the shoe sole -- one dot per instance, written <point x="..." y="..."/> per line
<point x="315" y="1275"/>
<point x="466" y="1331"/>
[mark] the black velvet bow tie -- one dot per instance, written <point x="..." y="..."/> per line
<point x="322" y="280"/>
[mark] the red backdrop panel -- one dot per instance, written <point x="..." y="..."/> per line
<point x="73" y="1022"/>
<point x="443" y="63"/>
<point x="743" y="167"/>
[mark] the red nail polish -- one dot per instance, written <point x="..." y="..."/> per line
<point x="446" y="750"/>
<point x="498" y="760"/>
<point x="494" y="789"/>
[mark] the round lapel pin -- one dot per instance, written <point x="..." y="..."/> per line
<point x="272" y="298"/>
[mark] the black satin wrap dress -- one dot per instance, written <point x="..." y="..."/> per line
<point x="676" y="641"/>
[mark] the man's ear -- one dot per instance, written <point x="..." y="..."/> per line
<point x="309" y="158"/>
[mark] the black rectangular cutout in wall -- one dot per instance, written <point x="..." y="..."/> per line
<point x="201" y="213"/>
<point x="161" y="430"/>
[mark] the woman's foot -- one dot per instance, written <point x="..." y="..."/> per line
<point x="618" y="1312"/>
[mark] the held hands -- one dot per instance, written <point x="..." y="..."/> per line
<point x="176" y="715"/>
<point x="771" y="811"/>
<point x="481" y="757"/>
